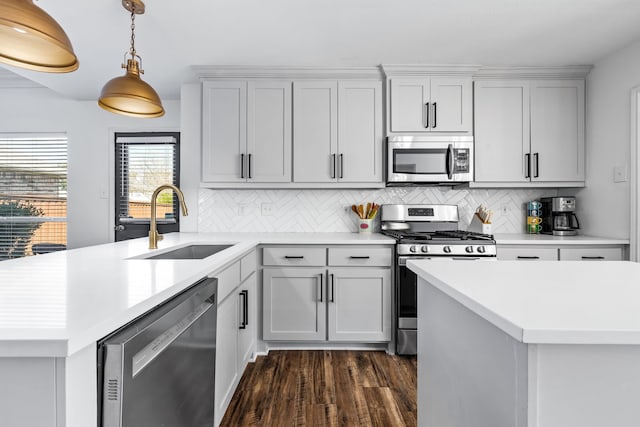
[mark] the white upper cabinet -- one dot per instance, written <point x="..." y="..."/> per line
<point x="557" y="130"/>
<point x="246" y="132"/>
<point x="434" y="104"/>
<point x="224" y="131"/>
<point x="337" y="131"/>
<point x="529" y="132"/>
<point x="315" y="131"/>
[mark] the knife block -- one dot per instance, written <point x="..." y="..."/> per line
<point x="477" y="226"/>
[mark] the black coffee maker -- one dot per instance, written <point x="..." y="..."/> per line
<point x="559" y="216"/>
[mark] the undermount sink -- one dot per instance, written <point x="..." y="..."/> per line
<point x="191" y="252"/>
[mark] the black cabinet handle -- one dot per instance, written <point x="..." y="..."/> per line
<point x="592" y="257"/>
<point x="242" y="165"/>
<point x="333" y="166"/>
<point x="332" y="290"/>
<point x="341" y="166"/>
<point x="427" y="110"/>
<point x="359" y="257"/>
<point x="435" y="115"/>
<point x="244" y="296"/>
<point x="527" y="165"/>
<point x="294" y="256"/>
<point x="528" y="257"/>
<point x="537" y="160"/>
<point x="249" y="165"/>
<point x="321" y="276"/>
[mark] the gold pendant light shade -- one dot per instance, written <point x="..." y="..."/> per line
<point x="128" y="94"/>
<point x="31" y="39"/>
<point x="131" y="96"/>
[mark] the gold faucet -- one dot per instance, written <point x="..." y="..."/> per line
<point x="154" y="236"/>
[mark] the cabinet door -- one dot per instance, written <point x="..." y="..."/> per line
<point x="451" y="105"/>
<point x="269" y="131"/>
<point x="409" y="110"/>
<point x="224" y="130"/>
<point x="360" y="131"/>
<point x="294" y="304"/>
<point x="227" y="374"/>
<point x="557" y="130"/>
<point x="247" y="322"/>
<point x="359" y="304"/>
<point x="315" y="133"/>
<point x="501" y="117"/>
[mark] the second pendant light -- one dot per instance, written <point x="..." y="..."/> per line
<point x="129" y="94"/>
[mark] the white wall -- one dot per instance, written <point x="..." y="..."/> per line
<point x="90" y="135"/>
<point x="603" y="206"/>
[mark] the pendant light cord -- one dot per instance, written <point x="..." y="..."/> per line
<point x="132" y="49"/>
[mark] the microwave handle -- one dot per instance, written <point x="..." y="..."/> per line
<point x="449" y="161"/>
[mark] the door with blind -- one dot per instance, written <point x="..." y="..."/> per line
<point x="144" y="161"/>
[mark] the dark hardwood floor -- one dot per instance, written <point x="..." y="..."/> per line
<point x="326" y="388"/>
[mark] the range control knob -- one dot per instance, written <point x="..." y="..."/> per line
<point x="481" y="249"/>
<point x="424" y="249"/>
<point x="469" y="249"/>
<point x="447" y="249"/>
<point x="413" y="249"/>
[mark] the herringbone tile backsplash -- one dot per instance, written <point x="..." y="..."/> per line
<point x="329" y="210"/>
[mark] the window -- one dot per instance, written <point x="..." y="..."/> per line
<point x="33" y="194"/>
<point x="145" y="161"/>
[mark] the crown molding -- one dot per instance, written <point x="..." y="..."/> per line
<point x="204" y="72"/>
<point x="418" y="70"/>
<point x="556" y="72"/>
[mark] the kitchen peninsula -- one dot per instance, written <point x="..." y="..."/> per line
<point x="53" y="309"/>
<point x="553" y="344"/>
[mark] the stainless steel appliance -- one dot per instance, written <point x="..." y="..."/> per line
<point x="159" y="370"/>
<point x="425" y="232"/>
<point x="559" y="217"/>
<point x="429" y="159"/>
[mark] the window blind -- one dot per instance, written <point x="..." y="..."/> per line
<point x="143" y="164"/>
<point x="33" y="194"/>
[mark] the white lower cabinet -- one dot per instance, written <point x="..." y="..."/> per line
<point x="527" y="253"/>
<point x="235" y="329"/>
<point x="347" y="304"/>
<point x="591" y="254"/>
<point x="359" y="304"/>
<point x="562" y="253"/>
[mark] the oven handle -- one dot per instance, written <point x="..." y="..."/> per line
<point x="402" y="260"/>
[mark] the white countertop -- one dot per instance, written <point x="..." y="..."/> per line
<point x="56" y="304"/>
<point x="552" y="302"/>
<point x="547" y="239"/>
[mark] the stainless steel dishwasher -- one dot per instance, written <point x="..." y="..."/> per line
<point x="159" y="370"/>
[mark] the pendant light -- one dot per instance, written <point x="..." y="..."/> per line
<point x="31" y="39"/>
<point x="128" y="94"/>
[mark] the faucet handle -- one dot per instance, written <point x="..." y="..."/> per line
<point x="160" y="237"/>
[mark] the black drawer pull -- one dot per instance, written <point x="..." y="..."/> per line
<point x="293" y="257"/>
<point x="592" y="257"/>
<point x="528" y="257"/>
<point x="359" y="257"/>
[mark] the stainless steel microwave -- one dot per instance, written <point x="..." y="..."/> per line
<point x="429" y="159"/>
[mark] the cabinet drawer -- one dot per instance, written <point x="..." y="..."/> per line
<point x="304" y="257"/>
<point x="528" y="254"/>
<point x="359" y="256"/>
<point x="247" y="265"/>
<point x="228" y="280"/>
<point x="591" y="254"/>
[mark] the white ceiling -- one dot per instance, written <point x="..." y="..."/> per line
<point x="173" y="35"/>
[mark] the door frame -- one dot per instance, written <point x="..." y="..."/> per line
<point x="634" y="199"/>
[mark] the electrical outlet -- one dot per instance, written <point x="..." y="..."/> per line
<point x="242" y="209"/>
<point x="267" y="209"/>
<point x="620" y="174"/>
<point x="104" y="193"/>
<point x="504" y="209"/>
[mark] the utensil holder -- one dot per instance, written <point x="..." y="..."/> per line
<point x="365" y="225"/>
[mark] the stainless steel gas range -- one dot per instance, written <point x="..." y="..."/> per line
<point x="426" y="232"/>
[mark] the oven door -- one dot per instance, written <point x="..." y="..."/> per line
<point x="447" y="161"/>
